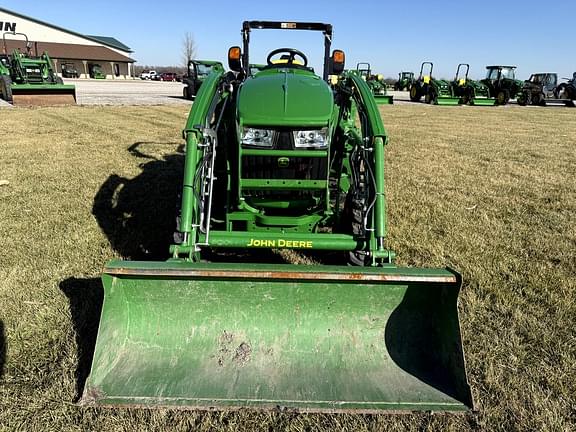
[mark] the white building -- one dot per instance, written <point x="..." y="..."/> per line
<point x="69" y="50"/>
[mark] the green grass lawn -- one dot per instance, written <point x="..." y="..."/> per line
<point x="489" y="191"/>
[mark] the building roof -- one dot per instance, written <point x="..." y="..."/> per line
<point x="110" y="41"/>
<point x="71" y="51"/>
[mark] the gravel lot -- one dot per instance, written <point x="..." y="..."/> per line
<point x="132" y="92"/>
<point x="138" y="92"/>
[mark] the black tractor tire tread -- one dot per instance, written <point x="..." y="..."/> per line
<point x="6" y="88"/>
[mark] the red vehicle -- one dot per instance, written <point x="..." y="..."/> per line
<point x="168" y="76"/>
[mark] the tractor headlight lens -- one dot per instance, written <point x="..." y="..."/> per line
<point x="257" y="137"/>
<point x="311" y="138"/>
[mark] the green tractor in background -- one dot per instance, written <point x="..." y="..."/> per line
<point x="27" y="79"/>
<point x="198" y="71"/>
<point x="469" y="91"/>
<point x="95" y="71"/>
<point x="284" y="164"/>
<point x="434" y="91"/>
<point x="405" y="81"/>
<point x="376" y="84"/>
<point x="502" y="83"/>
<point x="542" y="89"/>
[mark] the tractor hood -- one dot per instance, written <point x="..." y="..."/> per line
<point x="285" y="97"/>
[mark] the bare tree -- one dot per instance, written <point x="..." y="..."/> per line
<point x="188" y="49"/>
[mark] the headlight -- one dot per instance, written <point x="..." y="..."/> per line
<point x="311" y="138"/>
<point x="257" y="137"/>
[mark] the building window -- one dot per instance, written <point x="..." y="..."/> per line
<point x="116" y="69"/>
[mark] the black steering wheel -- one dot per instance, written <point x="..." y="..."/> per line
<point x="291" y="54"/>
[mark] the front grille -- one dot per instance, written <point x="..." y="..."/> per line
<point x="274" y="167"/>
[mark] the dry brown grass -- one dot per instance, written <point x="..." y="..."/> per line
<point x="488" y="191"/>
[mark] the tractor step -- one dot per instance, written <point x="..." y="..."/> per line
<point x="304" y="338"/>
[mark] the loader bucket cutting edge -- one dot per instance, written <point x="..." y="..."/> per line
<point x="43" y="95"/>
<point x="384" y="100"/>
<point x="308" y="338"/>
<point x="448" y="101"/>
<point x="484" y="101"/>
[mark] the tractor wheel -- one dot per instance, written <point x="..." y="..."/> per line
<point x="522" y="99"/>
<point x="185" y="93"/>
<point x="431" y="97"/>
<point x="354" y="225"/>
<point x="414" y="94"/>
<point x="502" y="97"/>
<point x="538" y="99"/>
<point x="6" y="88"/>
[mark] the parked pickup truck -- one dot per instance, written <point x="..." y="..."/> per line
<point x="148" y="75"/>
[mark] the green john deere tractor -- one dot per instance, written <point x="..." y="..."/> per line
<point x="469" y="91"/>
<point x="95" y="71"/>
<point x="502" y="83"/>
<point x="27" y="79"/>
<point x="198" y="71"/>
<point x="434" y="91"/>
<point x="376" y="84"/>
<point x="405" y="80"/>
<point x="280" y="161"/>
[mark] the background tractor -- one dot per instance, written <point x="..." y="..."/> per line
<point x="542" y="89"/>
<point x="283" y="164"/>
<point x="198" y="70"/>
<point x="376" y="84"/>
<point x="502" y="83"/>
<point x="95" y="71"/>
<point x="27" y="79"/>
<point x="405" y="80"/>
<point x="469" y="91"/>
<point x="567" y="90"/>
<point x="434" y="91"/>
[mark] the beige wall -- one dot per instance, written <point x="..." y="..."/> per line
<point x="38" y="32"/>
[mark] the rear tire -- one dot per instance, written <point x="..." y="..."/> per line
<point x="415" y="94"/>
<point x="6" y="88"/>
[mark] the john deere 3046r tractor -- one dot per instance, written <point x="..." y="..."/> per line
<point x="469" y="91"/>
<point x="435" y="91"/>
<point x="502" y="83"/>
<point x="375" y="83"/>
<point x="280" y="160"/>
<point x="31" y="80"/>
<point x="405" y="80"/>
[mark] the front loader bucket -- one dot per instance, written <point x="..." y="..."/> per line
<point x="484" y="101"/>
<point x="384" y="99"/>
<point x="43" y="94"/>
<point x="447" y="100"/>
<point x="307" y="338"/>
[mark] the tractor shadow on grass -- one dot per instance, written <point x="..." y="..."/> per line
<point x="85" y="297"/>
<point x="138" y="215"/>
<point x="2" y="349"/>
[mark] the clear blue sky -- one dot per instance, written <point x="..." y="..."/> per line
<point x="391" y="35"/>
